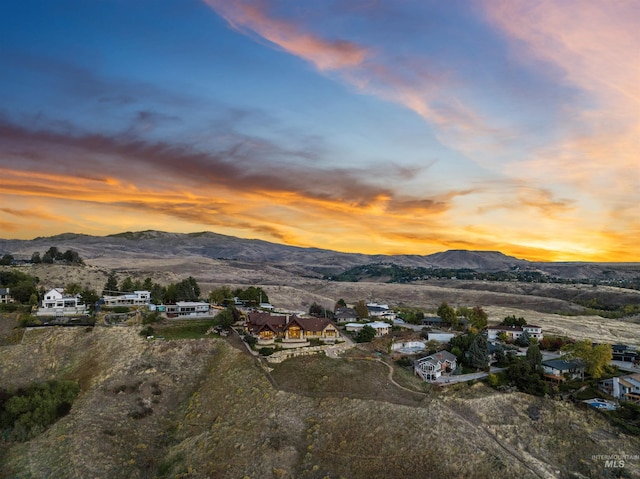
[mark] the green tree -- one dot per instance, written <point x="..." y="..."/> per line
<point x="340" y="304"/>
<point x="35" y="258"/>
<point x="478" y="318"/>
<point x="23" y="290"/>
<point x="89" y="297"/>
<point x="6" y="260"/>
<point x="127" y="285"/>
<point x="316" y="310"/>
<point x="366" y="334"/>
<point x="170" y="294"/>
<point x="221" y="295"/>
<point x="479" y="352"/>
<point x="157" y="293"/>
<point x="187" y="290"/>
<point x="534" y="357"/>
<point x="47" y="258"/>
<point x="362" y="312"/>
<point x="72" y="289"/>
<point x="595" y="358"/>
<point x="147" y="285"/>
<point x="71" y="257"/>
<point x="524" y="339"/>
<point x="513" y="321"/>
<point x="111" y="286"/>
<point x="227" y="317"/>
<point x="448" y="314"/>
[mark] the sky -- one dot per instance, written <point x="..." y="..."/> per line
<point x="371" y="126"/>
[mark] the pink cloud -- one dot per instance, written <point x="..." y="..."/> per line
<point x="324" y="54"/>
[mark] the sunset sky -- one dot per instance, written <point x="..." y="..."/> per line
<point x="366" y="126"/>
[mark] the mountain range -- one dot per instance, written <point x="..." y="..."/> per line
<point x="159" y="245"/>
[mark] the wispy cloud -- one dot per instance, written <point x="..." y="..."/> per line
<point x="410" y="82"/>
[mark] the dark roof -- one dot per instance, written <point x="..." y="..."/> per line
<point x="345" y="313"/>
<point x="309" y="324"/>
<point x="257" y="322"/>
<point x="4" y="291"/>
<point x="563" y="365"/>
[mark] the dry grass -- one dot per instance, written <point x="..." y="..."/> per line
<point x="201" y="409"/>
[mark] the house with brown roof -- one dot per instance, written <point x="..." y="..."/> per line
<point x="291" y="330"/>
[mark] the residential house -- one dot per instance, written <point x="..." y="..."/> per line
<point x="188" y="309"/>
<point x="622" y="352"/>
<point x="625" y="388"/>
<point x="291" y="330"/>
<point x="343" y="315"/>
<point x="514" y="332"/>
<point x="434" y="321"/>
<point x="57" y="303"/>
<point x="381" y="327"/>
<point x="562" y="369"/>
<point x="434" y="366"/>
<point x="377" y="310"/>
<point x="137" y="298"/>
<point x="5" y="296"/>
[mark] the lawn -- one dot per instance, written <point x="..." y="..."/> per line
<point x="185" y="329"/>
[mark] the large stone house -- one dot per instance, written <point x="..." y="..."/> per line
<point x="290" y="330"/>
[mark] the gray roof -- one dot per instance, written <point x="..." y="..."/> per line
<point x="563" y="365"/>
<point x="4" y="291"/>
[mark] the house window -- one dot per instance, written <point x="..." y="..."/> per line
<point x="294" y="333"/>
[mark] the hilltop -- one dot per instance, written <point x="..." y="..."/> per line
<point x="158" y="245"/>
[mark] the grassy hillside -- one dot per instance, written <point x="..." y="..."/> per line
<point x="202" y="408"/>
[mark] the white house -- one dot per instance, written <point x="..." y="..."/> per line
<point x="190" y="309"/>
<point x="561" y="369"/>
<point x="378" y="310"/>
<point x="514" y="332"/>
<point x="381" y="327"/>
<point x="57" y="303"/>
<point x="137" y="298"/>
<point x="5" y="296"/>
<point x="625" y="388"/>
<point x="432" y="367"/>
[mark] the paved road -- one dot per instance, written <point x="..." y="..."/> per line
<point x="460" y="378"/>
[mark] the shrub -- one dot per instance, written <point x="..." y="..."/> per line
<point x="121" y="309"/>
<point x="250" y="340"/>
<point x="148" y="331"/>
<point x="151" y="318"/>
<point x="27" y="412"/>
<point x="266" y="351"/>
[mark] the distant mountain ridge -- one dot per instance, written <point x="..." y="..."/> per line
<point x="160" y="244"/>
